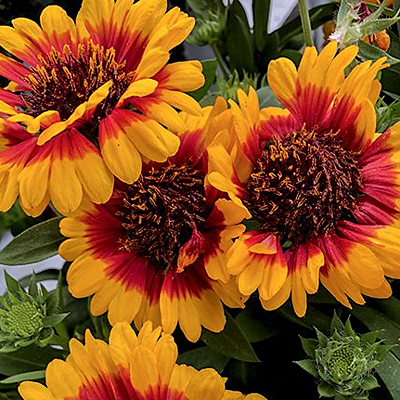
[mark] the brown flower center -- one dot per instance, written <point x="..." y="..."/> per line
<point x="65" y="80"/>
<point x="164" y="210"/>
<point x="302" y="185"/>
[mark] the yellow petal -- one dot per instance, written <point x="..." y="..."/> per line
<point x="65" y="188"/>
<point x="72" y="248"/>
<point x="32" y="192"/>
<point x="124" y="306"/>
<point x="282" y="78"/>
<point x="34" y="391"/>
<point x="152" y="140"/>
<point x="181" y="101"/>
<point x="143" y="371"/>
<point x="206" y="384"/>
<point x="55" y="21"/>
<point x="56" y="381"/>
<point x="185" y="76"/>
<point x="152" y="61"/>
<point x="102" y="298"/>
<point x="85" y="276"/>
<point x="189" y="319"/>
<point x="169" y="307"/>
<point x="250" y="279"/>
<point x="120" y="154"/>
<point x="139" y="88"/>
<point x="123" y="341"/>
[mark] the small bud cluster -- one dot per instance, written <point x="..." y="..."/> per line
<point x="228" y="88"/>
<point x="209" y="27"/>
<point x="25" y="317"/>
<point x="344" y="362"/>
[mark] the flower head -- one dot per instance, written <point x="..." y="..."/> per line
<point x="344" y="362"/>
<point x="132" y="366"/>
<point x="26" y="318"/>
<point x="321" y="187"/>
<point x="89" y="98"/>
<point x="157" y="249"/>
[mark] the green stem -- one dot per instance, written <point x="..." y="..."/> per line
<point x="220" y="59"/>
<point x="305" y="22"/>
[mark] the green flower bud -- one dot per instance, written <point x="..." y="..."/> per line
<point x="209" y="27"/>
<point x="344" y="362"/>
<point x="25" y="318"/>
<point x="228" y="88"/>
<point x="356" y="22"/>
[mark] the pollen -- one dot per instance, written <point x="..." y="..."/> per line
<point x="162" y="212"/>
<point x="64" y="80"/>
<point x="302" y="185"/>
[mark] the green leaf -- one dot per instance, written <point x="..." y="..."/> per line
<point x="46" y="336"/>
<point x="370" y="382"/>
<point x="336" y="323"/>
<point x="32" y="286"/>
<point x="293" y="55"/>
<point x="35" y="244"/>
<point x="369" y="28"/>
<point x="26" y="376"/>
<point x="79" y="313"/>
<point x="12" y="284"/>
<point x="309" y="346"/>
<point x="255" y="328"/>
<point x="312" y="318"/>
<point x="390" y="307"/>
<point x="376" y="321"/>
<point x="348" y="328"/>
<point x="239" y="43"/>
<point x="370" y="52"/>
<point x="209" y="72"/>
<point x="54" y="298"/>
<point x="8" y="347"/>
<point x="47" y="275"/>
<point x="266" y="98"/>
<point x="322" y="339"/>
<point x="53" y="320"/>
<point x="308" y="366"/>
<point x="369" y="337"/>
<point x="28" y="359"/>
<point x="322" y="297"/>
<point x="230" y="342"/>
<point x="261" y="15"/>
<point x="204" y="357"/>
<point x="325" y="390"/>
<point x="388" y="371"/>
<point x="199" y="6"/>
<point x="344" y="9"/>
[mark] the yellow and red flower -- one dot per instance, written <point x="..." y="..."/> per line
<point x="131" y="367"/>
<point x="156" y="250"/>
<point x="90" y="100"/>
<point x="321" y="186"/>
